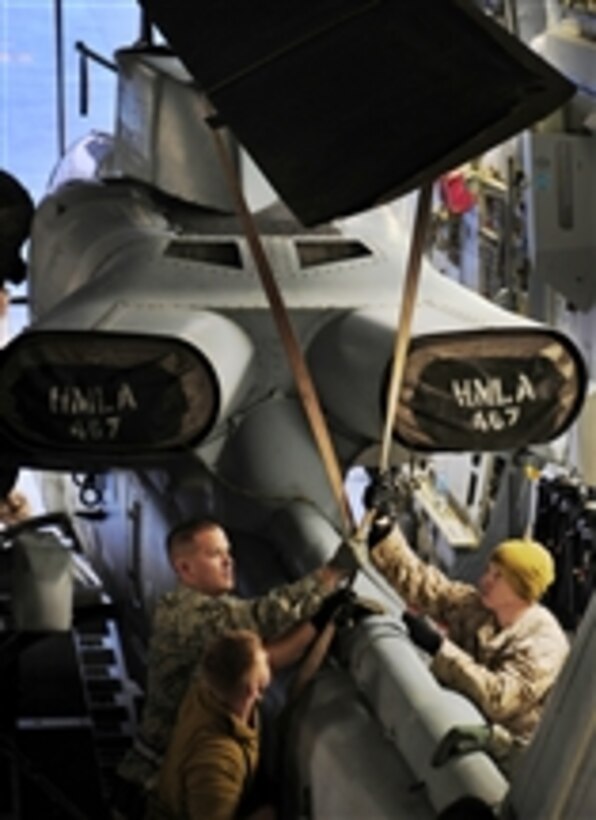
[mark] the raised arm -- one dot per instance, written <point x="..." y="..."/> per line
<point x="422" y="585"/>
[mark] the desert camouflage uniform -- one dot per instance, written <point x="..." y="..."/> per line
<point x="508" y="672"/>
<point x="185" y="621"/>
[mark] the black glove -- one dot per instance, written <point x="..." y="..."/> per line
<point x="384" y="495"/>
<point x="330" y="608"/>
<point x="422" y="633"/>
<point x="379" y="529"/>
<point x="355" y="609"/>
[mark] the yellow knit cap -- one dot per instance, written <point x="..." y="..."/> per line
<point x="527" y="565"/>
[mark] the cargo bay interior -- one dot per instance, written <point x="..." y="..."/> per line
<point x="508" y="249"/>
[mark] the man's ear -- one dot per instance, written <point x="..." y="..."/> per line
<point x="180" y="567"/>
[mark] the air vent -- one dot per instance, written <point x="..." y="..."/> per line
<point x="313" y="254"/>
<point x="224" y="254"/>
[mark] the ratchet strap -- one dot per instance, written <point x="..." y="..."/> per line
<point x="404" y="325"/>
<point x="320" y="646"/>
<point x="302" y="377"/>
<point x="403" y="332"/>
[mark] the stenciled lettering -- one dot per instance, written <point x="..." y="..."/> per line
<point x="493" y="420"/>
<point x="94" y="412"/>
<point x="70" y="400"/>
<point x="95" y="429"/>
<point x="494" y="406"/>
<point x="478" y="393"/>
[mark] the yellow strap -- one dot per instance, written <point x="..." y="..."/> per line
<point x="404" y="325"/>
<point x="302" y="377"/>
<point x="304" y="383"/>
<point x="318" y="651"/>
<point x="402" y="335"/>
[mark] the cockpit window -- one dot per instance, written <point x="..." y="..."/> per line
<point x="225" y="254"/>
<point x="314" y="253"/>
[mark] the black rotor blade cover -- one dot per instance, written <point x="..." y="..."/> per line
<point x="345" y="104"/>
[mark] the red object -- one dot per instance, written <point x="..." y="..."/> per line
<point x="455" y="193"/>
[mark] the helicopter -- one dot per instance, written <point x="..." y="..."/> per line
<point x="156" y="380"/>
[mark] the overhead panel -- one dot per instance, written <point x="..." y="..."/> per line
<point x="344" y="104"/>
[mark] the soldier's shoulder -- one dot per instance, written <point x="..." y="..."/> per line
<point x="184" y="603"/>
<point x="545" y="627"/>
<point x="177" y="604"/>
<point x="181" y="595"/>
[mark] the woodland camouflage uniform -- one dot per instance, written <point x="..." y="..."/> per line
<point x="507" y="672"/>
<point x="184" y="622"/>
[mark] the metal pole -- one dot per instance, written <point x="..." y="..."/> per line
<point x="60" y="85"/>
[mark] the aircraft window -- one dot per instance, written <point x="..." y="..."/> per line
<point x="312" y="254"/>
<point x="225" y="254"/>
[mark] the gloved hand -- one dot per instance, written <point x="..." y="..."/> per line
<point x="462" y="740"/>
<point x="355" y="609"/>
<point x="382" y="495"/>
<point x="422" y="633"/>
<point x="349" y="556"/>
<point x="330" y="608"/>
<point x="380" y="527"/>
<point x="383" y="498"/>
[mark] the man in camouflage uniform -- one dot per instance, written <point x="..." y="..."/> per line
<point x="496" y="644"/>
<point x="197" y="610"/>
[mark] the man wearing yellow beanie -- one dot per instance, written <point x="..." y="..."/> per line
<point x="495" y="644"/>
<point x="528" y="567"/>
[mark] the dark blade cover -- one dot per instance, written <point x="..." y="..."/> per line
<point x="346" y="104"/>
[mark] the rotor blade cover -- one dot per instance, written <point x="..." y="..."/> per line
<point x="347" y="104"/>
<point x="105" y="395"/>
<point x="488" y="390"/>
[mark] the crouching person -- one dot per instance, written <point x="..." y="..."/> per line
<point x="208" y="772"/>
